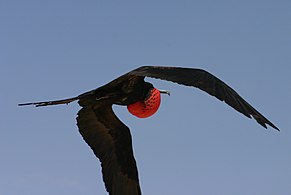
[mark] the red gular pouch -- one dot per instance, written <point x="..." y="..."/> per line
<point x="147" y="108"/>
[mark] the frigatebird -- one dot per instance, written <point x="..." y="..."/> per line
<point x="111" y="140"/>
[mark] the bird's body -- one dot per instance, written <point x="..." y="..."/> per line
<point x="110" y="139"/>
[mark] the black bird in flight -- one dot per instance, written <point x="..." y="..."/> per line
<point x="110" y="139"/>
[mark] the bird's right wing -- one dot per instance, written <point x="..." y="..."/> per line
<point x="205" y="81"/>
<point x="111" y="142"/>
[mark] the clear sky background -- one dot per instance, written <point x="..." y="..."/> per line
<point x="195" y="144"/>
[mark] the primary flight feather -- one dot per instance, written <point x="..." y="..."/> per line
<point x="110" y="139"/>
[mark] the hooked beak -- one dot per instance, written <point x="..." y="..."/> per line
<point x="165" y="92"/>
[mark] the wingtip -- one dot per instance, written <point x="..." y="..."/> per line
<point x="25" y="104"/>
<point x="271" y="125"/>
<point x="276" y="128"/>
<point x="48" y="103"/>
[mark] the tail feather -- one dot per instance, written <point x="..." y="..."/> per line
<point x="48" y="103"/>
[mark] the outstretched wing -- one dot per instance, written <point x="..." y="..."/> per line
<point x="111" y="142"/>
<point x="206" y="82"/>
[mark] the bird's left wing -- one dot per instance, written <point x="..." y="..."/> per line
<point x="111" y="142"/>
<point x="207" y="82"/>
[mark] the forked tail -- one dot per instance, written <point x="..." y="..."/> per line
<point x="48" y="103"/>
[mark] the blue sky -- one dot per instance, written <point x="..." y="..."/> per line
<point x="194" y="144"/>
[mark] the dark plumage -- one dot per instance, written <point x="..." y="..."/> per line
<point x="110" y="139"/>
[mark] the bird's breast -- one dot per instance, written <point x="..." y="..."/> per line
<point x="148" y="107"/>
